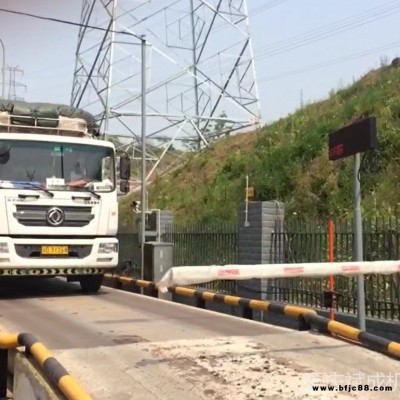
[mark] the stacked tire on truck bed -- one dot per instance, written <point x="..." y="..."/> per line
<point x="45" y="115"/>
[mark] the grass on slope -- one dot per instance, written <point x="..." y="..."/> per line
<point x="287" y="160"/>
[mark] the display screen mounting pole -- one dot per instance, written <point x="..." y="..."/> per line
<point x="143" y="159"/>
<point x="352" y="140"/>
<point x="358" y="242"/>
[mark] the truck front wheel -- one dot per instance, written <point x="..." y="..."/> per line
<point x="91" y="283"/>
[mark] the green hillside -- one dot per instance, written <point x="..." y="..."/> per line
<point x="287" y="160"/>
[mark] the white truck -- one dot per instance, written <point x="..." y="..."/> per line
<point x="58" y="194"/>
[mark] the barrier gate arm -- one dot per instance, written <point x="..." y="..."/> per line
<point x="188" y="275"/>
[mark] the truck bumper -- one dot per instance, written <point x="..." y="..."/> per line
<point x="85" y="256"/>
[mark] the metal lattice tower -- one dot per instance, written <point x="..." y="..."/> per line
<point x="201" y="76"/>
<point x="13" y="84"/>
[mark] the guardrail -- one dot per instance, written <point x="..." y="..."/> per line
<point x="52" y="369"/>
<point x="307" y="318"/>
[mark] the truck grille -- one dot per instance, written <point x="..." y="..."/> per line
<point x="34" y="215"/>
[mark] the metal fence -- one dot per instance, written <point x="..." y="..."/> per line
<point x="193" y="245"/>
<point x="203" y="244"/>
<point x="296" y="241"/>
<point x="209" y="244"/>
<point x="300" y="242"/>
<point x="129" y="254"/>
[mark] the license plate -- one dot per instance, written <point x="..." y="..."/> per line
<point x="55" y="250"/>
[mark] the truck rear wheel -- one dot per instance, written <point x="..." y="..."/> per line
<point x="91" y="283"/>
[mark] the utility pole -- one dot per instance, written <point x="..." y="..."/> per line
<point x="13" y="84"/>
<point x="3" y="71"/>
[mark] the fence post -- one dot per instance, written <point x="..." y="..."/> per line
<point x="247" y="312"/>
<point x="3" y="372"/>
<point x="200" y="303"/>
<point x="331" y="255"/>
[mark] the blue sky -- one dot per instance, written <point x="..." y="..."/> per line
<point x="45" y="50"/>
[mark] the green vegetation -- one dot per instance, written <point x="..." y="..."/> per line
<point x="287" y="160"/>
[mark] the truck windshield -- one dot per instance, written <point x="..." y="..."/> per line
<point x="34" y="162"/>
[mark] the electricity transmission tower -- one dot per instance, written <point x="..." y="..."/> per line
<point x="201" y="80"/>
<point x="13" y="84"/>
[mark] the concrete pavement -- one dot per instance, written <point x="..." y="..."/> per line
<point x="125" y="346"/>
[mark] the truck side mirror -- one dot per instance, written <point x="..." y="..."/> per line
<point x="124" y="168"/>
<point x="124" y="187"/>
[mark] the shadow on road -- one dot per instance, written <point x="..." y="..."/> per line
<point x="38" y="287"/>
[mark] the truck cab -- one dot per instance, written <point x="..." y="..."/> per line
<point x="58" y="194"/>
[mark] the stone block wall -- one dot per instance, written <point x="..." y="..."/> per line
<point x="256" y="245"/>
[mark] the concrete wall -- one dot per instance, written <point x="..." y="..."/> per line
<point x="29" y="382"/>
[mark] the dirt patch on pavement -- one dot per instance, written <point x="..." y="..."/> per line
<point x="238" y="369"/>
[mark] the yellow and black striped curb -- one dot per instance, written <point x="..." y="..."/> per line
<point x="52" y="369"/>
<point x="248" y="305"/>
<point x="132" y="281"/>
<point x="370" y="340"/>
<point x="308" y="318"/>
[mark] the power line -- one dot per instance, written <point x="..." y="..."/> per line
<point x="329" y="63"/>
<point x="297" y="41"/>
<point x="256" y="12"/>
<point x="268" y="6"/>
<point x="329" y="30"/>
<point x="346" y="24"/>
<point x="351" y="18"/>
<point x="65" y="22"/>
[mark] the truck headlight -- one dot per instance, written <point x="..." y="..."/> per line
<point x="106" y="248"/>
<point x="3" y="248"/>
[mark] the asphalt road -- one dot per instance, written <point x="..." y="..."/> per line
<point x="125" y="346"/>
